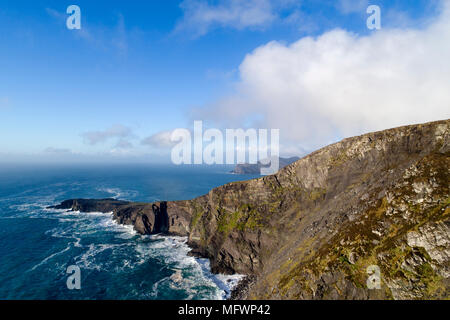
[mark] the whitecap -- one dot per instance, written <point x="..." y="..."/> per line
<point x="118" y="193"/>
<point x="50" y="257"/>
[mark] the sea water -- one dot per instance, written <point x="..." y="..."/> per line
<point x="37" y="245"/>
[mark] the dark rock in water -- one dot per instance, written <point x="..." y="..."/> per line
<point x="160" y="217"/>
<point x="319" y="227"/>
<point x="90" y="205"/>
<point x="147" y="218"/>
<point x="247" y="168"/>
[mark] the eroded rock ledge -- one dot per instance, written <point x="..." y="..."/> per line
<point x="311" y="230"/>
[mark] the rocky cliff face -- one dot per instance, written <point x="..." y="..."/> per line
<point x="319" y="227"/>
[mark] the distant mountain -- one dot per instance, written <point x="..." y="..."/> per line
<point x="255" y="168"/>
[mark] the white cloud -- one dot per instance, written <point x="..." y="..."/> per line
<point x="159" y="140"/>
<point x="200" y="16"/>
<point x="117" y="131"/>
<point x="352" y="6"/>
<point x="342" y="84"/>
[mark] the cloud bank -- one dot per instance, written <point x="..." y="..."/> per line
<point x="342" y="84"/>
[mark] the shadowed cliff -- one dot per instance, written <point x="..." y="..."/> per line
<point x="312" y="230"/>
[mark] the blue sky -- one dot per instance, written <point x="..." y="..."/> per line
<point x="139" y="68"/>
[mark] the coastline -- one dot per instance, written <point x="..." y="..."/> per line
<point x="230" y="285"/>
<point x="234" y="286"/>
<point x="311" y="230"/>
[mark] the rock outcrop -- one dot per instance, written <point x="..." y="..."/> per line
<point x="369" y="208"/>
<point x="86" y="205"/>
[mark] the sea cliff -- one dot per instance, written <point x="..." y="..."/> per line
<point x="311" y="230"/>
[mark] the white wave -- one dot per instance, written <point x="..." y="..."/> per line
<point x="174" y="250"/>
<point x="90" y="260"/>
<point x="118" y="193"/>
<point x="126" y="230"/>
<point x="50" y="257"/>
<point x="190" y="275"/>
<point x="115" y="192"/>
<point x="155" y="290"/>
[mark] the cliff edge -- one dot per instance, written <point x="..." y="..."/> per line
<point x="322" y="225"/>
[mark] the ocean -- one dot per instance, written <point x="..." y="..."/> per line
<point x="37" y="245"/>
